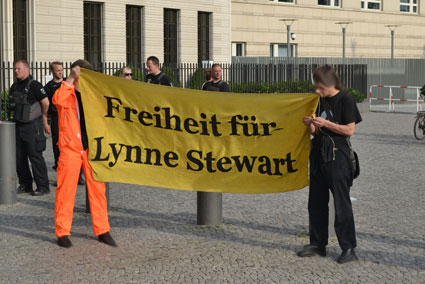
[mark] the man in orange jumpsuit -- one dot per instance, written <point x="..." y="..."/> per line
<point x="73" y="144"/>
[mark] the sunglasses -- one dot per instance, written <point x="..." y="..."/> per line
<point x="128" y="74"/>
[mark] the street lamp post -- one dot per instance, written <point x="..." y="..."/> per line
<point x="392" y="29"/>
<point x="344" y="26"/>
<point x="288" y="23"/>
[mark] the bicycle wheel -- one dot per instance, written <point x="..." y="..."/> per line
<point x="419" y="128"/>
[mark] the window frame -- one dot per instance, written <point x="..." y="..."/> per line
<point x="202" y="42"/>
<point x="283" y="2"/>
<point x="331" y="5"/>
<point x="169" y="40"/>
<point x="411" y="5"/>
<point x="134" y="56"/>
<point x="91" y="30"/>
<point x="366" y="2"/>
<point x="235" y="48"/>
<point x="273" y="46"/>
<point x="20" y="51"/>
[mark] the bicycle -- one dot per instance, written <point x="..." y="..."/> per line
<point x="419" y="126"/>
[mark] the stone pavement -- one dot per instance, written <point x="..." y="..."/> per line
<point x="160" y="243"/>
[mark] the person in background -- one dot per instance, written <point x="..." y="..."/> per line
<point x="56" y="69"/>
<point x="155" y="75"/>
<point x="29" y="104"/>
<point x="216" y="84"/>
<point x="330" y="166"/>
<point x="207" y="77"/>
<point x="126" y="73"/>
<point x="73" y="145"/>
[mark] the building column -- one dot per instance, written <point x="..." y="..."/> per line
<point x="6" y="31"/>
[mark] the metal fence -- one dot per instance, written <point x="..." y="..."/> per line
<point x="271" y="77"/>
<point x="380" y="71"/>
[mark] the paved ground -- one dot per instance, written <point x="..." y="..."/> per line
<point x="160" y="243"/>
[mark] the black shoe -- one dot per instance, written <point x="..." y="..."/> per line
<point x="312" y="250"/>
<point x="64" y="242"/>
<point x="22" y="189"/>
<point x="107" y="239"/>
<point x="81" y="180"/>
<point x="347" y="256"/>
<point x="40" y="192"/>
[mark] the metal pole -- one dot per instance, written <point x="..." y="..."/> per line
<point x="106" y="194"/>
<point x="8" y="177"/>
<point x="392" y="44"/>
<point x="288" y="39"/>
<point x="210" y="205"/>
<point x="343" y="42"/>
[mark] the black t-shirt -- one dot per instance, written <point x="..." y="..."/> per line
<point x="84" y="138"/>
<point x="160" y="79"/>
<point x="50" y="89"/>
<point x="343" y="110"/>
<point x="36" y="91"/>
<point x="219" y="86"/>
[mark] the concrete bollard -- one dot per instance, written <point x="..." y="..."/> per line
<point x="8" y="176"/>
<point x="210" y="207"/>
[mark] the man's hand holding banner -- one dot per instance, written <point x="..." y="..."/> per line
<point x="195" y="140"/>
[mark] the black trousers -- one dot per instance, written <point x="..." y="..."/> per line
<point x="55" y="137"/>
<point x="30" y="144"/>
<point x="336" y="177"/>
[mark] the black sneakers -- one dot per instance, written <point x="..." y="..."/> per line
<point x="107" y="239"/>
<point x="347" y="256"/>
<point x="22" y="189"/>
<point x="40" y="192"/>
<point x="312" y="250"/>
<point x="64" y="242"/>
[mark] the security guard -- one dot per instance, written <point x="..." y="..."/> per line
<point x="29" y="105"/>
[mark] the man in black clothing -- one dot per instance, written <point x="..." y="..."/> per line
<point x="29" y="105"/>
<point x="216" y="84"/>
<point x="56" y="68"/>
<point x="155" y="75"/>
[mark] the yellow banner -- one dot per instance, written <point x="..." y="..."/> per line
<point x="195" y="140"/>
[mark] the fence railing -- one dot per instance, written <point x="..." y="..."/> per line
<point x="285" y="77"/>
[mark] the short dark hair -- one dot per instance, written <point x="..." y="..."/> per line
<point x="23" y="61"/>
<point x="154" y="60"/>
<point x="83" y="64"/>
<point x="326" y="75"/>
<point x="54" y="63"/>
<point x="216" y="65"/>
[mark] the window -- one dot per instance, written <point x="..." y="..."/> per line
<point x="93" y="33"/>
<point x="238" y="49"/>
<point x="170" y="36"/>
<point x="285" y="1"/>
<point x="333" y="3"/>
<point x="409" y="6"/>
<point x="281" y="50"/>
<point x="134" y="34"/>
<point x="371" y="4"/>
<point x="19" y="29"/>
<point x="203" y="36"/>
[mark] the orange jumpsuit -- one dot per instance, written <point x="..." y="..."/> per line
<point x="72" y="158"/>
